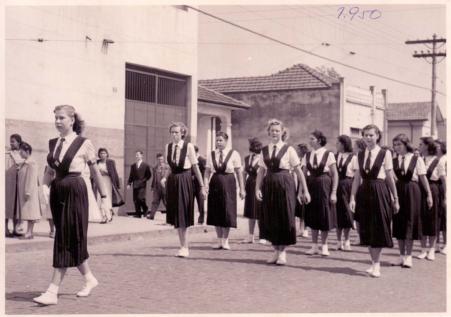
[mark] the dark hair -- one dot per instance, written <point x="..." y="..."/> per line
<point x="404" y="140"/>
<point x="16" y="137"/>
<point x="346" y="142"/>
<point x="102" y="149"/>
<point x="159" y="155"/>
<point x="322" y="140"/>
<point x="361" y="145"/>
<point x="222" y="134"/>
<point x="375" y="128"/>
<point x="79" y="123"/>
<point x="255" y="145"/>
<point x="139" y="151"/>
<point x="196" y="148"/>
<point x="429" y="142"/>
<point x="442" y="146"/>
<point x="25" y="147"/>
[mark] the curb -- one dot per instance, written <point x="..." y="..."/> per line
<point x="94" y="240"/>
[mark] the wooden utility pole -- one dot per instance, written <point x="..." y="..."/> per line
<point x="434" y="56"/>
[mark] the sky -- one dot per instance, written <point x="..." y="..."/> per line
<point x="376" y="34"/>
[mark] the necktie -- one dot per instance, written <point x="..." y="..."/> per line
<point x="174" y="155"/>
<point x="402" y="165"/>
<point x="367" y="163"/>
<point x="221" y="158"/>
<point x="273" y="154"/>
<point x="315" y="161"/>
<point x="340" y="164"/>
<point x="57" y="153"/>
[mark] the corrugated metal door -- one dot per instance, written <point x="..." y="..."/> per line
<point x="153" y="99"/>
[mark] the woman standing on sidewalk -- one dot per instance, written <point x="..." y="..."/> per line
<point x="320" y="214"/>
<point x="374" y="209"/>
<point x="441" y="154"/>
<point x="221" y="210"/>
<point x="181" y="157"/>
<point x="68" y="156"/>
<point x="276" y="189"/>
<point x="409" y="169"/>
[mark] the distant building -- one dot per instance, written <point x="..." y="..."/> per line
<point x="304" y="99"/>
<point x="414" y="120"/>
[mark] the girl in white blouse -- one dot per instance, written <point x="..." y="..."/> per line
<point x="221" y="211"/>
<point x="441" y="154"/>
<point x="276" y="189"/>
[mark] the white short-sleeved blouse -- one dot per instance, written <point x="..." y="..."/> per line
<point x="288" y="161"/>
<point x="234" y="161"/>
<point x="190" y="159"/>
<point x="387" y="163"/>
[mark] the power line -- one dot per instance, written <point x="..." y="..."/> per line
<point x="307" y="52"/>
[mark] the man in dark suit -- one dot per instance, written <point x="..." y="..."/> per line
<point x="158" y="191"/>
<point x="139" y="175"/>
<point x="197" y="190"/>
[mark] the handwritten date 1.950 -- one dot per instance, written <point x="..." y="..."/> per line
<point x="352" y="12"/>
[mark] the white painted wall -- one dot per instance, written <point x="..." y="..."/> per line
<point x="205" y="133"/>
<point x="70" y="70"/>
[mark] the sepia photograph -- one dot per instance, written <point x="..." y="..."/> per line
<point x="235" y="158"/>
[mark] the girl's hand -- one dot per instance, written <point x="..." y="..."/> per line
<point x="163" y="182"/>
<point x="352" y="205"/>
<point x="203" y="192"/>
<point x="307" y="199"/>
<point x="259" y="195"/>
<point x="333" y="197"/>
<point x="395" y="206"/>
<point x="242" y="194"/>
<point x="429" y="201"/>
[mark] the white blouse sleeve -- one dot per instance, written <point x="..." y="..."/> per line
<point x="261" y="162"/>
<point x="293" y="157"/>
<point x="441" y="168"/>
<point x="388" y="161"/>
<point x="304" y="161"/>
<point x="421" y="167"/>
<point x="89" y="153"/>
<point x="209" y="163"/>
<point x="355" y="163"/>
<point x="191" y="154"/>
<point x="331" y="159"/>
<point x="236" y="159"/>
<point x="166" y="153"/>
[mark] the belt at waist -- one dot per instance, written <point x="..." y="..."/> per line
<point x="278" y="171"/>
<point x="70" y="174"/>
<point x="180" y="171"/>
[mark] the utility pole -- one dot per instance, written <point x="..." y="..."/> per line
<point x="434" y="56"/>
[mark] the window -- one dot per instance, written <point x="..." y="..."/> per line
<point x="355" y="132"/>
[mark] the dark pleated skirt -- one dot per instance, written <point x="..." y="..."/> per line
<point x="344" y="213"/>
<point x="442" y="213"/>
<point x="221" y="211"/>
<point x="278" y="208"/>
<point x="70" y="212"/>
<point x="252" y="207"/>
<point x="430" y="217"/>
<point x="407" y="222"/>
<point x="300" y="210"/>
<point x="320" y="214"/>
<point x="375" y="214"/>
<point x="180" y="199"/>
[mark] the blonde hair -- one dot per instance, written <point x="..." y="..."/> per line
<point x="285" y="133"/>
<point x="79" y="123"/>
<point x="182" y="126"/>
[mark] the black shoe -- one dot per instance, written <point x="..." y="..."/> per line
<point x="131" y="213"/>
<point x="200" y="220"/>
<point x="150" y="217"/>
<point x="17" y="234"/>
<point x="137" y="216"/>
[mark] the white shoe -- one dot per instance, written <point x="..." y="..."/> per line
<point x="347" y="246"/>
<point x="370" y="270"/>
<point x="407" y="261"/>
<point x="282" y="260"/>
<point x="431" y="255"/>
<point x="218" y="245"/>
<point x="376" y="272"/>
<point x="225" y="244"/>
<point x="249" y="239"/>
<point x="340" y="245"/>
<point x="443" y="250"/>
<point x="324" y="250"/>
<point x="422" y="255"/>
<point x="262" y="241"/>
<point x="305" y="234"/>
<point x="274" y="258"/>
<point x="313" y="250"/>
<point x="87" y="288"/>
<point x="47" y="298"/>
<point x="182" y="253"/>
<point x="398" y="262"/>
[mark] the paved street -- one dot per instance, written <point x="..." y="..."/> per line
<point x="143" y="276"/>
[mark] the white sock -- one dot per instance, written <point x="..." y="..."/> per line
<point x="377" y="266"/>
<point x="89" y="277"/>
<point x="53" y="288"/>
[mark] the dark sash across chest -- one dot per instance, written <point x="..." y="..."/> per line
<point x="273" y="163"/>
<point x="220" y="168"/>
<point x="249" y="167"/>
<point x="342" y="169"/>
<point x="62" y="167"/>
<point x="319" y="169"/>
<point x="177" y="167"/>
<point x="400" y="173"/>
<point x="431" y="168"/>
<point x="373" y="172"/>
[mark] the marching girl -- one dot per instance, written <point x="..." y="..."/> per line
<point x="252" y="207"/>
<point x="277" y="191"/>
<point x="300" y="208"/>
<point x="373" y="207"/>
<point x="181" y="157"/>
<point x="221" y="211"/>
<point x="68" y="156"/>
<point x="346" y="159"/>
<point x="441" y="154"/>
<point x="435" y="174"/>
<point x="320" y="214"/>
<point x="408" y="170"/>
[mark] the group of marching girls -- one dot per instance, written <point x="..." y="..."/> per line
<point x="383" y="197"/>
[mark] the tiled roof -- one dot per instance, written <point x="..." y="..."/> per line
<point x="409" y="111"/>
<point x="211" y="96"/>
<point x="298" y="76"/>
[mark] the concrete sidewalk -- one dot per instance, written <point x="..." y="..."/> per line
<point x="120" y="229"/>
